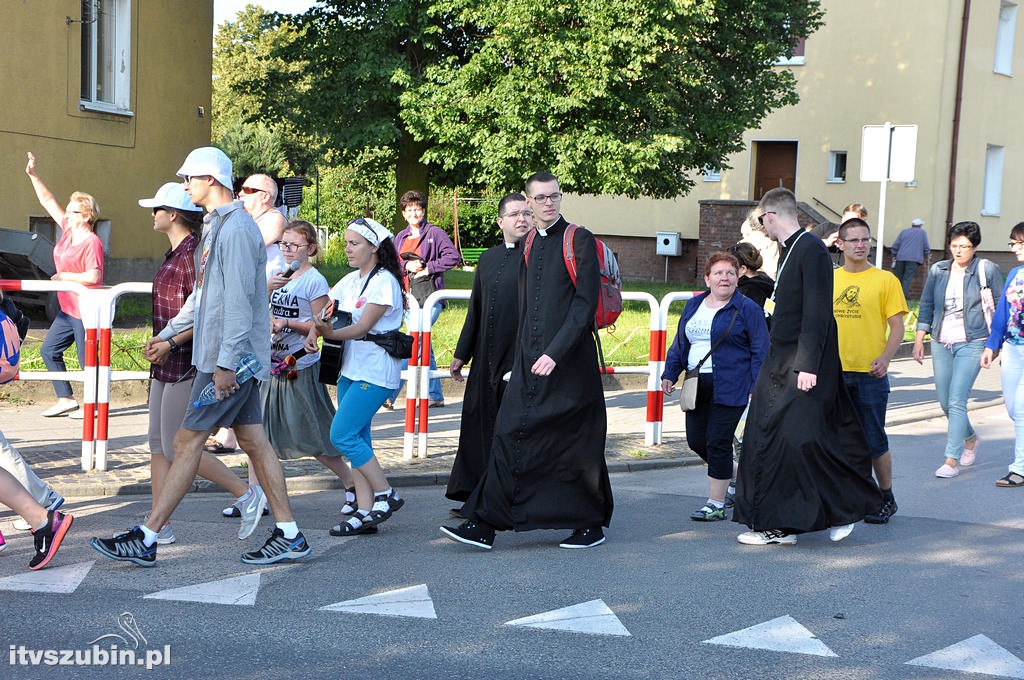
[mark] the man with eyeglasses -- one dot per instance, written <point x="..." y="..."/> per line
<point x="230" y="314"/>
<point x="869" y="306"/>
<point x="547" y="468"/>
<point x="488" y="339"/>
<point x="805" y="464"/>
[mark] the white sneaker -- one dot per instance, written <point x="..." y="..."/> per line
<point x="166" y="535"/>
<point x="836" y="534"/>
<point x="77" y="415"/>
<point x="22" y="525"/>
<point x="60" y="408"/>
<point x="252" y="511"/>
<point x="947" y="471"/>
<point x="766" y="537"/>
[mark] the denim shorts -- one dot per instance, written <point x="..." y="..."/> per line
<point x="244" y="407"/>
<point x="871" y="397"/>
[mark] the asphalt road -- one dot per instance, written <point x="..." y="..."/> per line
<point x="946" y="570"/>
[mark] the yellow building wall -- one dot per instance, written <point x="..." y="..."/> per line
<point x="119" y="159"/>
<point x="871" y="62"/>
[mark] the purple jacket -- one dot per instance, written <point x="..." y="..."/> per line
<point x="436" y="249"/>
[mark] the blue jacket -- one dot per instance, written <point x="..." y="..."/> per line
<point x="736" y="362"/>
<point x="1001" y="319"/>
<point x="929" y="316"/>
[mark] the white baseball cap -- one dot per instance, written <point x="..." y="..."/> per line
<point x="171" y="195"/>
<point x="918" y="222"/>
<point x="207" y="160"/>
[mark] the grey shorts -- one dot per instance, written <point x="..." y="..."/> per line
<point x="244" y="407"/>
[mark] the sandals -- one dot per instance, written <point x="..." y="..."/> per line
<point x="347" y="529"/>
<point x="1009" y="481"/>
<point x="214" y="446"/>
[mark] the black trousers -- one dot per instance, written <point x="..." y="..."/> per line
<point x="710" y="428"/>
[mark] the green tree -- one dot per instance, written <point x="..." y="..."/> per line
<point x="243" y="52"/>
<point x="613" y="96"/>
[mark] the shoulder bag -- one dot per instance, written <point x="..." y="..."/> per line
<point x="988" y="304"/>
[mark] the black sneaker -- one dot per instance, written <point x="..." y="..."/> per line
<point x="730" y="497"/>
<point x="471" y="533"/>
<point x="279" y="549"/>
<point x="884" y="513"/>
<point x="127" y="547"/>
<point x="584" y="538"/>
<point x="48" y="539"/>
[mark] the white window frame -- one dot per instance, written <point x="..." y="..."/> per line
<point x="993" y="191"/>
<point x="1005" y="34"/>
<point x="797" y="59"/>
<point x="112" y="18"/>
<point x="712" y="174"/>
<point x="833" y="156"/>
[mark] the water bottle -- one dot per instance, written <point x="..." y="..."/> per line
<point x="247" y="368"/>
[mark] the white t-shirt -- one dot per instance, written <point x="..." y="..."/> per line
<point x="363" y="360"/>
<point x="953" y="309"/>
<point x="275" y="260"/>
<point x="291" y="302"/>
<point x="698" y="332"/>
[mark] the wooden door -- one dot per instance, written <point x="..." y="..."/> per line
<point x="775" y="166"/>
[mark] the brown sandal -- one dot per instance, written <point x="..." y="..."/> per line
<point x="1009" y="481"/>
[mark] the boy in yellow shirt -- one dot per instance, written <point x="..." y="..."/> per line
<point x="869" y="305"/>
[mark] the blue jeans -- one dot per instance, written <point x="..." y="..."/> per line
<point x="436" y="394"/>
<point x="350" y="429"/>
<point x="1013" y="399"/>
<point x="65" y="331"/>
<point x="955" y="369"/>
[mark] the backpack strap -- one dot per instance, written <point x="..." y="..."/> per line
<point x="568" y="252"/>
<point x="528" y="245"/>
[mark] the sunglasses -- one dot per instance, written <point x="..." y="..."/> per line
<point x="250" y="190"/>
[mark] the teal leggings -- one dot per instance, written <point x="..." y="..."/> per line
<point x="350" y="429"/>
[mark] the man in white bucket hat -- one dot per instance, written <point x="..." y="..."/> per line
<point x="231" y="318"/>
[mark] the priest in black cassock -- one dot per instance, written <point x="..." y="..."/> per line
<point x="488" y="338"/>
<point x="806" y="464"/>
<point x="547" y="468"/>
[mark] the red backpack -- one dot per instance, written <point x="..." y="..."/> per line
<point x="609" y="303"/>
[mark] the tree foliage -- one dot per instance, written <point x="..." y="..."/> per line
<point x="613" y="96"/>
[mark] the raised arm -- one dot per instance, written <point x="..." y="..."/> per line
<point x="45" y="196"/>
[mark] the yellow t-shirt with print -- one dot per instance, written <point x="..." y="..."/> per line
<point x="862" y="304"/>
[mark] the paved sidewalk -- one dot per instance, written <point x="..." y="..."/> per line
<point x="53" y="445"/>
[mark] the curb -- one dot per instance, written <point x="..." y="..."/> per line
<point x="329" y="483"/>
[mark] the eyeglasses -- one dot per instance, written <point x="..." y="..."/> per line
<point x="189" y="178"/>
<point x="961" y="247"/>
<point x="250" y="190"/>
<point x="544" y="198"/>
<point x="760" y="218"/>
<point x="291" y="247"/>
<point x="857" y="241"/>
<point x="519" y="213"/>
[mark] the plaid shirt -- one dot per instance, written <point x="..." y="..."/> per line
<point x="171" y="286"/>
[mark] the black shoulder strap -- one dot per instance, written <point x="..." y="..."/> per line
<point x="724" y="336"/>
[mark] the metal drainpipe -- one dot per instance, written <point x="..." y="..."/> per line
<point x="954" y="146"/>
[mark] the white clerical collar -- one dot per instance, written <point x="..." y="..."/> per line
<point x="542" y="232"/>
<point x="510" y="246"/>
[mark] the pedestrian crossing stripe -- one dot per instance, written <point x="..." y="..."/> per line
<point x="411" y="602"/>
<point x="978" y="654"/>
<point x="783" y="634"/>
<point x="593" y="618"/>
<point x="237" y="590"/>
<point x="62" y="580"/>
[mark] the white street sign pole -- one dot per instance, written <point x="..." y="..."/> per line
<point x="883" y="187"/>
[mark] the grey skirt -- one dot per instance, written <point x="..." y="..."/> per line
<point x="297" y="415"/>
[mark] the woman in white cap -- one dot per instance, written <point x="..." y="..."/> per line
<point x="373" y="296"/>
<point x="175" y="216"/>
<point x="77" y="257"/>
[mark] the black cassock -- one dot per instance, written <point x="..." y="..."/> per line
<point x="488" y="338"/>
<point x="805" y="464"/>
<point x="547" y="468"/>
